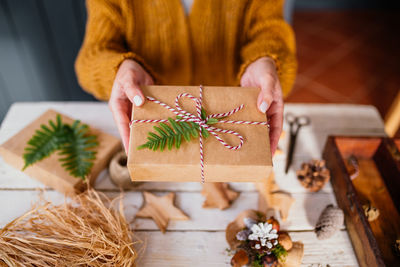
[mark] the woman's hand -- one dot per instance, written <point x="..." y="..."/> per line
<point x="262" y="74"/>
<point x="125" y="92"/>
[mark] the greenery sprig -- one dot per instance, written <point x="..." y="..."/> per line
<point x="166" y="135"/>
<point x="278" y="251"/>
<point x="75" y="145"/>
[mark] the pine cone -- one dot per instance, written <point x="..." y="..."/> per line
<point x="313" y="175"/>
<point x="330" y="220"/>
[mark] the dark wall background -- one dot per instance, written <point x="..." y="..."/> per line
<point x="346" y="4"/>
<point x="39" y="40"/>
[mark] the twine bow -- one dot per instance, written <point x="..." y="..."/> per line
<point x="189" y="117"/>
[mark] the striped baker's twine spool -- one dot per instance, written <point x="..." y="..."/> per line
<point x="189" y="117"/>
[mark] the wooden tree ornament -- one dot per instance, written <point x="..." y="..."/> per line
<point x="160" y="210"/>
<point x="218" y="195"/>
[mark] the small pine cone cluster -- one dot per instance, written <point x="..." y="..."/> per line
<point x="313" y="175"/>
<point x="263" y="244"/>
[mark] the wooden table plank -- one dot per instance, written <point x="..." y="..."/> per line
<point x="303" y="214"/>
<point x="209" y="249"/>
<point x="11" y="178"/>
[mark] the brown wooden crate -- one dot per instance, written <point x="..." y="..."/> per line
<point x="377" y="183"/>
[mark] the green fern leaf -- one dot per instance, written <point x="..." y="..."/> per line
<point x="76" y="146"/>
<point x="77" y="155"/>
<point x="161" y="132"/>
<point x="212" y="121"/>
<point x="168" y="135"/>
<point x="205" y="133"/>
<point x="203" y="114"/>
<point x="167" y="129"/>
<point x="178" y="141"/>
<point x="175" y="125"/>
<point x="44" y="142"/>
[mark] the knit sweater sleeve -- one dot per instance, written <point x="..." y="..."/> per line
<point x="103" y="49"/>
<point x="267" y="34"/>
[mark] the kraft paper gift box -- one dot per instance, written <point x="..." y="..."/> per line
<point x="251" y="163"/>
<point x="49" y="170"/>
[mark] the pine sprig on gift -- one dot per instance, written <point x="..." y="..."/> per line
<point x="74" y="142"/>
<point x="166" y="135"/>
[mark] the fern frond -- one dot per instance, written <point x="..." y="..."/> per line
<point x="77" y="155"/>
<point x="76" y="146"/>
<point x="45" y="141"/>
<point x="168" y="135"/>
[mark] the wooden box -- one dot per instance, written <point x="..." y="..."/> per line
<point x="49" y="171"/>
<point x="377" y="184"/>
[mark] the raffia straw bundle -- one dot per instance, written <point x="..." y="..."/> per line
<point x="86" y="231"/>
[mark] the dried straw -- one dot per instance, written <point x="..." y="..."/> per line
<point x="86" y="231"/>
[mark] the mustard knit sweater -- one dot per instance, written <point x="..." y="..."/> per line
<point x="213" y="45"/>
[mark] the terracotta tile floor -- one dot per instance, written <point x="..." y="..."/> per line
<point x="347" y="57"/>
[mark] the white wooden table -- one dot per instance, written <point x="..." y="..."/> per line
<point x="201" y="240"/>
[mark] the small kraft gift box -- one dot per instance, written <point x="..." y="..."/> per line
<point x="235" y="147"/>
<point x="49" y="171"/>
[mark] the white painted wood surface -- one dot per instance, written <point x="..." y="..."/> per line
<point x="201" y="240"/>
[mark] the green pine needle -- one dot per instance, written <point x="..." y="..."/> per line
<point x="166" y="135"/>
<point x="280" y="252"/>
<point x="74" y="143"/>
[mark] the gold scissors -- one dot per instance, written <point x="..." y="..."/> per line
<point x="295" y="123"/>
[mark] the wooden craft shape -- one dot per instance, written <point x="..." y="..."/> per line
<point x="160" y="210"/>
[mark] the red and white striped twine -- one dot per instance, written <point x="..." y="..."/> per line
<point x="189" y="117"/>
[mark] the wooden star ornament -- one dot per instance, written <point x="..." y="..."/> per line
<point x="160" y="210"/>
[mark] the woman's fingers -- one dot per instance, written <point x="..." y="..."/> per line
<point x="120" y="109"/>
<point x="262" y="73"/>
<point x="275" y="116"/>
<point x="133" y="92"/>
<point x="274" y="111"/>
<point x="125" y="93"/>
<point x="264" y="101"/>
<point x="265" y="97"/>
